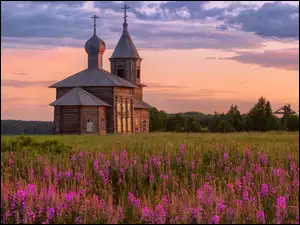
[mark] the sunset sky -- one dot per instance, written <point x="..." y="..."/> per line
<point x="197" y="56"/>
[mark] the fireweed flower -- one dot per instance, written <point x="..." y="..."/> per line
<point x="182" y="149"/>
<point x="264" y="190"/>
<point x="159" y="214"/>
<point x="281" y="202"/>
<point x="67" y="174"/>
<point x="230" y="187"/>
<point x="220" y="206"/>
<point x="226" y="156"/>
<point x="192" y="164"/>
<point x="147" y="215"/>
<point x="214" y="220"/>
<point x="260" y="216"/>
<point x="77" y="176"/>
<point x="50" y="213"/>
<point x="245" y="194"/>
<point x="120" y="214"/>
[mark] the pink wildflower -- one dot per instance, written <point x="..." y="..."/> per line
<point x="260" y="216"/>
<point x="159" y="214"/>
<point x="214" y="220"/>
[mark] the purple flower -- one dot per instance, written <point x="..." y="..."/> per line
<point x="182" y="149"/>
<point x="230" y="187"/>
<point x="220" y="206"/>
<point x="192" y="164"/>
<point x="281" y="202"/>
<point x="260" y="216"/>
<point x="67" y="174"/>
<point x="245" y="194"/>
<point x="147" y="215"/>
<point x="50" y="213"/>
<point x="214" y="220"/>
<point x="226" y="156"/>
<point x="120" y="214"/>
<point x="165" y="200"/>
<point x="264" y="190"/>
<point x="73" y="157"/>
<point x="159" y="214"/>
<point x="77" y="176"/>
<point x="21" y="195"/>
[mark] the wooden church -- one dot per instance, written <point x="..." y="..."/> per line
<point x="95" y="101"/>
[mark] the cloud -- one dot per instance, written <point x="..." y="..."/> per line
<point x="169" y="25"/>
<point x="287" y="59"/>
<point x="22" y="84"/>
<point x="275" y="19"/>
<point x="155" y="86"/>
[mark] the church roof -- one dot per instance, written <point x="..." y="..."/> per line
<point x="93" y="77"/>
<point x="139" y="104"/>
<point x="77" y="96"/>
<point x="125" y="47"/>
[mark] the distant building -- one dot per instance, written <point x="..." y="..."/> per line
<point x="95" y="101"/>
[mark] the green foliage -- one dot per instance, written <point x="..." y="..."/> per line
<point x="22" y="142"/>
<point x="292" y="122"/>
<point x="220" y="124"/>
<point x="261" y="117"/>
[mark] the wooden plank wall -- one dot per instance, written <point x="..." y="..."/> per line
<point x="123" y="94"/>
<point x="70" y="119"/>
<point x="105" y="94"/>
<point x="91" y="112"/>
<point x="61" y="91"/>
<point x="56" y="119"/>
<point x="102" y="114"/>
<point x="140" y="115"/>
<point x="138" y="93"/>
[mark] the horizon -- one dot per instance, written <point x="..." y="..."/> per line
<point x="197" y="56"/>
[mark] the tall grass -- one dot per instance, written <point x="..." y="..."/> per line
<point x="156" y="178"/>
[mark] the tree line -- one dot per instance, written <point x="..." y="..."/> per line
<point x="259" y="118"/>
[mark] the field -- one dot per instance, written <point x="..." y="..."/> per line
<point x="156" y="178"/>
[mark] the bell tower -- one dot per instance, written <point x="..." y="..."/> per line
<point x="125" y="61"/>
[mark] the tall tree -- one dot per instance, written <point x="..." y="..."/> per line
<point x="235" y="118"/>
<point x="261" y="117"/>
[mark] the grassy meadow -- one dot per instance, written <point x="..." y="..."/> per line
<point x="151" y="178"/>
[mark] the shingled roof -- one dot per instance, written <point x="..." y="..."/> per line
<point x="139" y="104"/>
<point x="77" y="96"/>
<point x="93" y="77"/>
<point x="125" y="47"/>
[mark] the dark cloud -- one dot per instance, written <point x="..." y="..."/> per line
<point x="287" y="59"/>
<point x="153" y="25"/>
<point x="276" y="19"/>
<point x="22" y="84"/>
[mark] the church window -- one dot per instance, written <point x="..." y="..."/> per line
<point x="89" y="125"/>
<point x="120" y="73"/>
<point x="138" y="73"/>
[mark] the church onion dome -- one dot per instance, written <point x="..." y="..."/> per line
<point x="95" y="45"/>
<point x="125" y="47"/>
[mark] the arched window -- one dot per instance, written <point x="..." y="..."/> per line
<point x="120" y="72"/>
<point x="138" y="73"/>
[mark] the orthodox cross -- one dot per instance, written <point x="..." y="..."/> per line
<point x="95" y="17"/>
<point x="125" y="15"/>
<point x="286" y="112"/>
